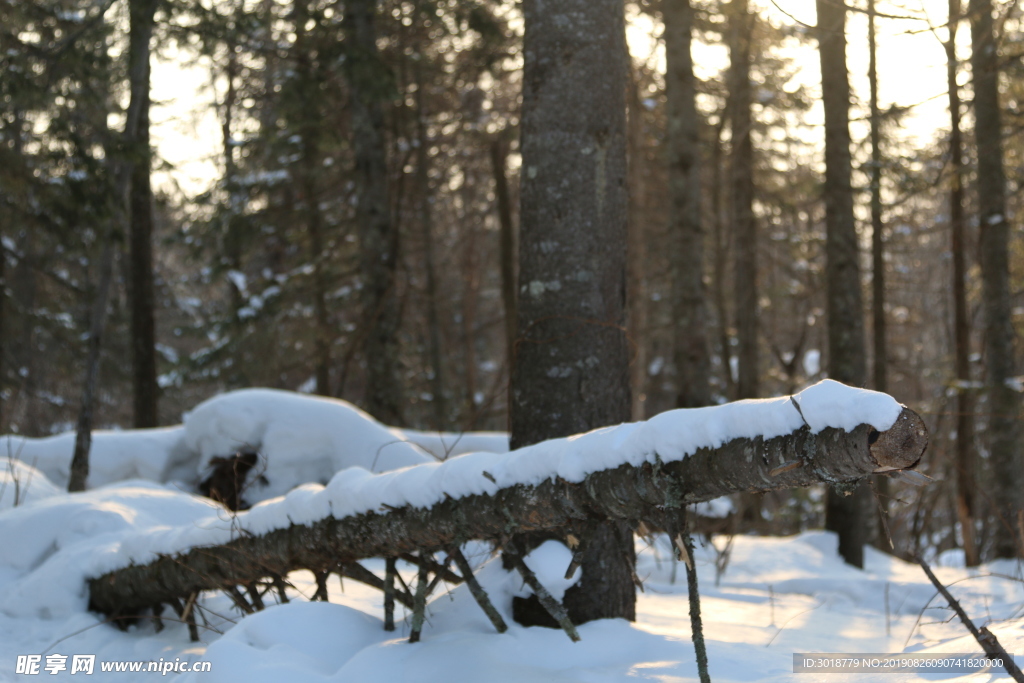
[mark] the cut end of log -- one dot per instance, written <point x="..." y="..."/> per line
<point x="901" y="446"/>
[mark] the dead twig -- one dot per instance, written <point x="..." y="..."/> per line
<point x="988" y="641"/>
<point x="477" y="590"/>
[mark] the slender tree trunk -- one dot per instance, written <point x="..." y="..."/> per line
<point x="236" y="204"/>
<point x="507" y="246"/>
<point x="881" y="539"/>
<point x="1000" y="365"/>
<point x="371" y="84"/>
<point x="5" y="332"/>
<point x="693" y="367"/>
<point x="965" y="458"/>
<point x="721" y="267"/>
<point x="847" y="515"/>
<point x="98" y="319"/>
<point x="637" y="266"/>
<point x="121" y="171"/>
<point x="427" y="234"/>
<point x="744" y="223"/>
<point x="309" y="129"/>
<point x="571" y="370"/>
<point x="877" y="238"/>
<point x="470" y="293"/>
<point x="145" y="390"/>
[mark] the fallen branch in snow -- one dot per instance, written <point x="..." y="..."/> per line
<point x="628" y="492"/>
<point x="696" y="627"/>
<point x="548" y="601"/>
<point x="988" y="641"/>
<point x="479" y="594"/>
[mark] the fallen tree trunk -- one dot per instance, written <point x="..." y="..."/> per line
<point x="627" y="492"/>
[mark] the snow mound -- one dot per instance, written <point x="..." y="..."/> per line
<point x="21" y="483"/>
<point x="299" y="641"/>
<point x="52" y="545"/>
<point x="329" y="642"/>
<point x="299" y="439"/>
<point x="115" y="455"/>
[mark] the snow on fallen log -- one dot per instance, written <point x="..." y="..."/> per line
<point x="827" y="433"/>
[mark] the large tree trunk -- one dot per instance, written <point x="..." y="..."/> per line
<point x="1007" y="484"/>
<point x="571" y="371"/>
<point x="626" y="492"/>
<point x="693" y="367"/>
<point x="847" y="515"/>
<point x="371" y="83"/>
<point x="965" y="460"/>
<point x="145" y="390"/>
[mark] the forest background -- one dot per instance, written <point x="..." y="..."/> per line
<point x="240" y="161"/>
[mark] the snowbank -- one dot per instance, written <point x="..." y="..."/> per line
<point x="21" y="484"/>
<point x="51" y="546"/>
<point x="777" y="596"/>
<point x="152" y="454"/>
<point x="299" y="439"/>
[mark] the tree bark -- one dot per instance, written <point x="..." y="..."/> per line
<point x="309" y="129"/>
<point x="742" y="205"/>
<point x="624" y="493"/>
<point x="427" y="233"/>
<point x="140" y="205"/>
<point x="877" y="239"/>
<point x="1008" y="487"/>
<point x="693" y="366"/>
<point x="371" y="83"/>
<point x="965" y="458"/>
<point x="571" y="371"/>
<point x="723" y="239"/>
<point x="507" y="246"/>
<point x="878" y="328"/>
<point x="847" y="515"/>
<point x="98" y="319"/>
<point x="744" y="224"/>
<point x="637" y="265"/>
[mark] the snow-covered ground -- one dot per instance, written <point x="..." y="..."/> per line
<point x="774" y="597"/>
